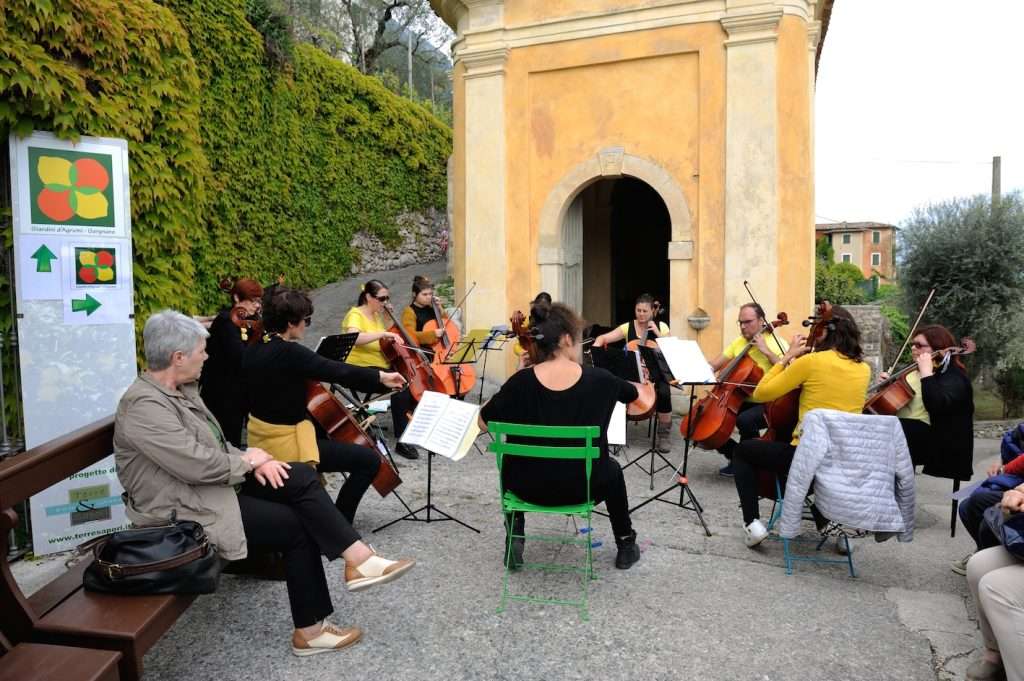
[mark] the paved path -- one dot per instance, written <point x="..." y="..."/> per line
<point x="693" y="607"/>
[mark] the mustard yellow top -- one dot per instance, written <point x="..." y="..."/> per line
<point x="827" y="380"/>
<point x="368" y="355"/>
<point x="776" y="345"/>
<point x="285" y="443"/>
<point x="915" y="408"/>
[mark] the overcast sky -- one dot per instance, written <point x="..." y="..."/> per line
<point x="914" y="97"/>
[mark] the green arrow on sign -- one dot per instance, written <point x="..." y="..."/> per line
<point x="43" y="256"/>
<point x="89" y="305"/>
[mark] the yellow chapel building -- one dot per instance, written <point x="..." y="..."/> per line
<point x="607" y="148"/>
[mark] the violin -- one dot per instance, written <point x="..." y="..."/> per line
<point x="249" y="324"/>
<point x="407" y="360"/>
<point x="456" y="379"/>
<point x="782" y="414"/>
<point x="713" y="417"/>
<point x="892" y="394"/>
<point x="526" y="337"/>
<point x="327" y="410"/>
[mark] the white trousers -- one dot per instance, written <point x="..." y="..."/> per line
<point x="996" y="579"/>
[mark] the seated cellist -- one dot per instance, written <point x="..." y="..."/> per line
<point x="767" y="351"/>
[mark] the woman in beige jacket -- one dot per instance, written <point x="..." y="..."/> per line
<point x="172" y="458"/>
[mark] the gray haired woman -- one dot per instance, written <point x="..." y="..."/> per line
<point x="172" y="458"/>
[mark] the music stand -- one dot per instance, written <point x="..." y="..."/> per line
<point x="427" y="507"/>
<point x="687" y="499"/>
<point x="464" y="351"/>
<point x="655" y="374"/>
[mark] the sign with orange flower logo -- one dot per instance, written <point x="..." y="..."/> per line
<point x="71" y="187"/>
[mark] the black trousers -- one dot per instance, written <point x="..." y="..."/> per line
<point x="607" y="484"/>
<point x="749" y="421"/>
<point x="299" y="520"/>
<point x="972" y="510"/>
<point x="402" y="403"/>
<point x="751" y="456"/>
<point x="361" y="464"/>
<point x="664" y="394"/>
<point x="919" y="440"/>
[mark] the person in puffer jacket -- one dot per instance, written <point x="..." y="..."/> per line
<point x="832" y="376"/>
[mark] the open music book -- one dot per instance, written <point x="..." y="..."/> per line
<point x="442" y="425"/>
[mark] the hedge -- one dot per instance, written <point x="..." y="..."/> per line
<point x="237" y="168"/>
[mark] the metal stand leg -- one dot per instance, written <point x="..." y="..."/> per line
<point x="652" y="452"/>
<point x="428" y="507"/>
<point x="687" y="499"/>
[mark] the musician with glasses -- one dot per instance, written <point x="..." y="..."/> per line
<point x="767" y="351"/>
<point x="277" y="371"/>
<point x="370" y="320"/>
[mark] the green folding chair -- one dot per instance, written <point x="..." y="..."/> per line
<point x="510" y="503"/>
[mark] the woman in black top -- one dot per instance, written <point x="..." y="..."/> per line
<point x="221" y="385"/>
<point x="277" y="371"/>
<point x="558" y="391"/>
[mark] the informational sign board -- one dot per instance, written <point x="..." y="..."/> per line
<point x="74" y="306"/>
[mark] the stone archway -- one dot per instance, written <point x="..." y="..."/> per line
<point x="558" y="231"/>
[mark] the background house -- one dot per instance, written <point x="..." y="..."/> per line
<point x="868" y="245"/>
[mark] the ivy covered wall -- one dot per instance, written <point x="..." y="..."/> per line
<point x="238" y="168"/>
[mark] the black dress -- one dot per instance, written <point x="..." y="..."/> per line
<point x="221" y="385"/>
<point x="949" y="399"/>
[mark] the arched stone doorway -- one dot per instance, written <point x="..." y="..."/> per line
<point x="614" y="227"/>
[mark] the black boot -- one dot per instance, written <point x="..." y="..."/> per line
<point x="514" y="559"/>
<point x="407" y="451"/>
<point x="629" y="552"/>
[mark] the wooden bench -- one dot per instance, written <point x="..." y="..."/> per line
<point x="44" y="662"/>
<point x="62" y="613"/>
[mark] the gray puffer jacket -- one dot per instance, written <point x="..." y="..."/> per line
<point x="861" y="469"/>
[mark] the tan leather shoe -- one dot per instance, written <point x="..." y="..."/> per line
<point x="331" y="638"/>
<point x="375" y="570"/>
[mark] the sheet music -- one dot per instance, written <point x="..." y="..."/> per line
<point x="617" y="425"/>
<point x="685" y="360"/>
<point x="442" y="425"/>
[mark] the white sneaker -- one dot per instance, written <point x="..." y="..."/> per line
<point x="960" y="566"/>
<point x="756" y="533"/>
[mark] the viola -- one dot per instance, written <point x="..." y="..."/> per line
<point x="408" y="361"/>
<point x="327" y="410"/>
<point x="889" y="396"/>
<point x="456" y="379"/>
<point x="523" y="334"/>
<point x="713" y="417"/>
<point x="782" y="414"/>
<point x="249" y="324"/>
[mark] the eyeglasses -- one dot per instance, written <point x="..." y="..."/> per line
<point x="383" y="299"/>
<point x="918" y="346"/>
<point x="308" y="320"/>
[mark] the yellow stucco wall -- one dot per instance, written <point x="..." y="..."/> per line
<point x="518" y="12"/>
<point x="658" y="94"/>
<point x="796" y="172"/>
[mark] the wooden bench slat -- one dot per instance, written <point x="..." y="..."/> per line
<point x="43" y="662"/>
<point x="110" y="616"/>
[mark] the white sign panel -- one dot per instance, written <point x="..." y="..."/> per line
<point x="73" y="280"/>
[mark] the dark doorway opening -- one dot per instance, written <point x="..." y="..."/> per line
<point x="626" y="230"/>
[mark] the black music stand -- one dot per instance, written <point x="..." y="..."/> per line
<point x="656" y="374"/>
<point x="687" y="499"/>
<point x="429" y="506"/>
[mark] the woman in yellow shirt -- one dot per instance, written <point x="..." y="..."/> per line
<point x="833" y="376"/>
<point x="367" y="319"/>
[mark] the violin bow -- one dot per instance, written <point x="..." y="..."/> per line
<point x="910" y="335"/>
<point x="767" y="325"/>
<point x="463" y="302"/>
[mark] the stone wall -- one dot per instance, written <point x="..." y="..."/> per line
<point x="424" y="238"/>
<point x="875" y="335"/>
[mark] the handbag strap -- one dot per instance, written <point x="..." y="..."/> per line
<point x="117" y="571"/>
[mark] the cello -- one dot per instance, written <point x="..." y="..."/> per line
<point x="456" y="379"/>
<point x="327" y="410"/>
<point x="714" y="415"/>
<point x="407" y="359"/>
<point x="783" y="413"/>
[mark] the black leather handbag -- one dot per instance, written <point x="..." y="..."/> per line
<point x="176" y="558"/>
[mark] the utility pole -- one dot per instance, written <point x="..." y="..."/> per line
<point x="997" y="163"/>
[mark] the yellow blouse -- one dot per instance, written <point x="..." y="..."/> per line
<point x="827" y="380"/>
<point x="368" y="355"/>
